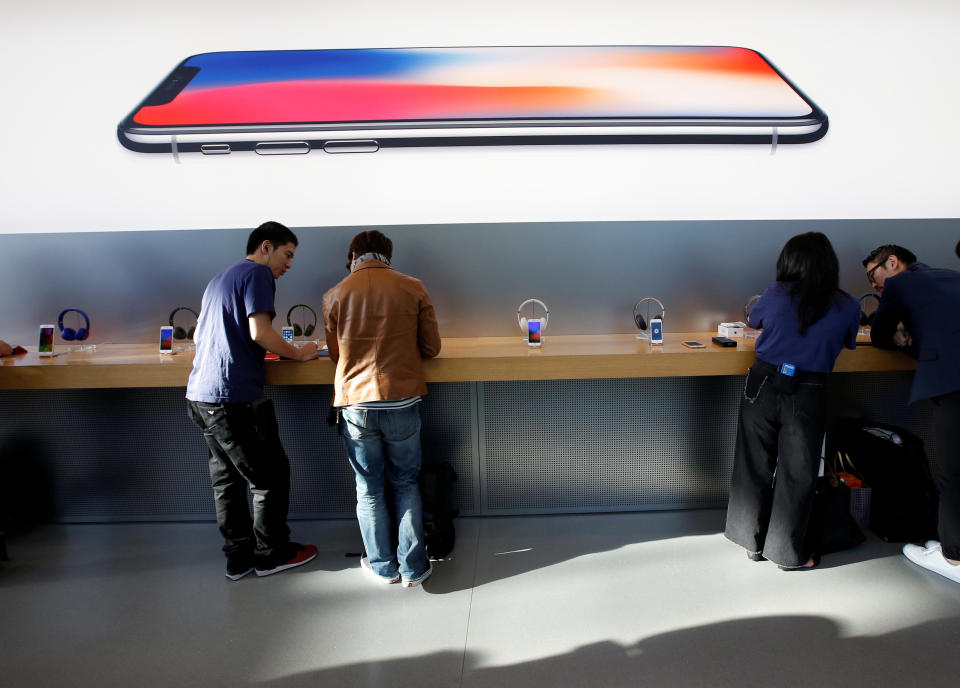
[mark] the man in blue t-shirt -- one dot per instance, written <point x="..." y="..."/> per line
<point x="225" y="400"/>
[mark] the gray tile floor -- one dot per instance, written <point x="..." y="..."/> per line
<point x="652" y="599"/>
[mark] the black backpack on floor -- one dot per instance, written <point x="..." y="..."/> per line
<point x="891" y="460"/>
<point x="436" y="490"/>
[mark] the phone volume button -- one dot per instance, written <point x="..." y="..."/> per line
<point x="351" y="146"/>
<point x="215" y="148"/>
<point x="282" y="148"/>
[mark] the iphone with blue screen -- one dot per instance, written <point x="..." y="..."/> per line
<point x="361" y="100"/>
<point x="534" y="327"/>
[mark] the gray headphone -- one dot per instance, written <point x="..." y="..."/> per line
<point x="864" y="318"/>
<point x="641" y="323"/>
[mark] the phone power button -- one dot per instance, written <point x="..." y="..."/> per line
<point x="351" y="146"/>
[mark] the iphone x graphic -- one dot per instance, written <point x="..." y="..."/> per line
<point x="295" y="101"/>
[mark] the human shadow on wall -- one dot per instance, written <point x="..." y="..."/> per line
<point x="760" y="652"/>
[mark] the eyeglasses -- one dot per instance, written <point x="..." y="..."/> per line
<point x="873" y="270"/>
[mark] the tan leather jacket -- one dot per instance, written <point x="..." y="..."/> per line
<point x="380" y="325"/>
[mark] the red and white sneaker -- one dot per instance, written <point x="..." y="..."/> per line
<point x="294" y="555"/>
<point x="414" y="582"/>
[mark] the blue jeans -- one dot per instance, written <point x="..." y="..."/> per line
<point x="384" y="446"/>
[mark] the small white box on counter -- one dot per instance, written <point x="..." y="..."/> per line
<point x="731" y="329"/>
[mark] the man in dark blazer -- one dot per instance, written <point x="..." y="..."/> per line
<point x="918" y="312"/>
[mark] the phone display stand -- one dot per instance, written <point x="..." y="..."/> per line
<point x="522" y="321"/>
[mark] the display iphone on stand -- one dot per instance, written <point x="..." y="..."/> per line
<point x="287" y="333"/>
<point x="45" y="341"/>
<point x="534" y="325"/>
<point x="166" y="339"/>
<point x="656" y="331"/>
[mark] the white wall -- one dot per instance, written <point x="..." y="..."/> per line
<point x="883" y="70"/>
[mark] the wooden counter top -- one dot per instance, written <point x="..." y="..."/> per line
<point x="461" y="360"/>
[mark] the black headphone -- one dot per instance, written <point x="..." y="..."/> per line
<point x="748" y="308"/>
<point x="179" y="332"/>
<point x="638" y="319"/>
<point x="864" y="318"/>
<point x="305" y="330"/>
<point x="68" y="333"/>
<point x="523" y="321"/>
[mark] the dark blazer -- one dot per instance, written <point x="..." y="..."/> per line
<point x="927" y="301"/>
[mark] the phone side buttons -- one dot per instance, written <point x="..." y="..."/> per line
<point x="215" y="148"/>
<point x="282" y="148"/>
<point x="351" y="146"/>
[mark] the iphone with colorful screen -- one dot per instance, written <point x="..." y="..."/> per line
<point x="45" y="340"/>
<point x="342" y="101"/>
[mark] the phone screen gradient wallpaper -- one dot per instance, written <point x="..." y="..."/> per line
<point x="533" y="331"/>
<point x="166" y="339"/>
<point x="45" y="344"/>
<point x="476" y="83"/>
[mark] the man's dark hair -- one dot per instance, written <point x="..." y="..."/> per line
<point x="274" y="232"/>
<point x="879" y="255"/>
<point x="810" y="264"/>
<point x="370" y="241"/>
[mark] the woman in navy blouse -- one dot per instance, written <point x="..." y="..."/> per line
<point x="806" y="320"/>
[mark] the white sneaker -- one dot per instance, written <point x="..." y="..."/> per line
<point x="932" y="544"/>
<point x="931" y="558"/>
<point x="414" y="582"/>
<point x="365" y="565"/>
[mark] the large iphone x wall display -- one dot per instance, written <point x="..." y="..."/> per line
<point x="880" y="70"/>
<point x="292" y="101"/>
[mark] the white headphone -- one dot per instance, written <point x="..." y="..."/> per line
<point x="638" y="319"/>
<point x="523" y="321"/>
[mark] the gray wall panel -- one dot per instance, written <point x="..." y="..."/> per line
<point x="589" y="273"/>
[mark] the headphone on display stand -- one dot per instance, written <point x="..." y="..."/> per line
<point x="523" y="321"/>
<point x="304" y="330"/>
<point x="864" y="318"/>
<point x="639" y="320"/>
<point x="179" y="332"/>
<point x="68" y="334"/>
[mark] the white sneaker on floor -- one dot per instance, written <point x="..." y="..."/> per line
<point x="414" y="582"/>
<point x="931" y="558"/>
<point x="365" y="565"/>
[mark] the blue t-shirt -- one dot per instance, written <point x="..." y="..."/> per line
<point x="817" y="350"/>
<point x="228" y="366"/>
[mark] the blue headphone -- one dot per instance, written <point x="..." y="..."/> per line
<point x="68" y="333"/>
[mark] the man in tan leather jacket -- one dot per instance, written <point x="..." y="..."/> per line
<point x="380" y="325"/>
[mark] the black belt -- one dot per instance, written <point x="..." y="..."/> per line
<point x="771" y="370"/>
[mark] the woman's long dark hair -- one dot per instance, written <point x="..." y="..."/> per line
<point x="809" y="264"/>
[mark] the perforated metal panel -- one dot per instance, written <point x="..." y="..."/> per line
<point x="517" y="447"/>
<point x="599" y="445"/>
